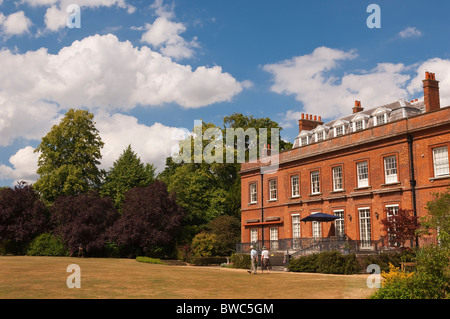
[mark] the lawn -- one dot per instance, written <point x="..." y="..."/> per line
<point x="45" y="277"/>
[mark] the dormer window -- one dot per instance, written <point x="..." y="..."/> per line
<point x="359" y="125"/>
<point x="339" y="128"/>
<point x="320" y="133"/>
<point x="380" y="116"/>
<point x="359" y="122"/>
<point x="304" y="140"/>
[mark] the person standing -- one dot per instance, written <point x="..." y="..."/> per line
<point x="265" y="260"/>
<point x="254" y="260"/>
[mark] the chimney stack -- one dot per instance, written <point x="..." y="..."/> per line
<point x="357" y="108"/>
<point x="431" y="92"/>
<point x="307" y="123"/>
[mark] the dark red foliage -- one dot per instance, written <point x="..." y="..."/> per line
<point x="22" y="215"/>
<point x="83" y="220"/>
<point x="401" y="227"/>
<point x="150" y="218"/>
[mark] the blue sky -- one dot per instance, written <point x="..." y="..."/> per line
<point x="148" y="69"/>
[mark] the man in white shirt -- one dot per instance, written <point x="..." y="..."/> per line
<point x="265" y="261"/>
<point x="254" y="260"/>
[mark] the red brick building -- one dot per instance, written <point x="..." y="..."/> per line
<point x="359" y="167"/>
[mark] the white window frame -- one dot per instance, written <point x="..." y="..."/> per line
<point x="362" y="174"/>
<point x="273" y="238"/>
<point x="390" y="169"/>
<point x="440" y="161"/>
<point x="320" y="134"/>
<point x="336" y="128"/>
<point x="338" y="181"/>
<point x="308" y="140"/>
<point x="253" y="193"/>
<point x="316" y="228"/>
<point x="253" y="235"/>
<point x="273" y="189"/>
<point x="295" y="225"/>
<point x="315" y="182"/>
<point x="339" y="223"/>
<point x="365" y="227"/>
<point x="363" y="125"/>
<point x="378" y="116"/>
<point x="295" y="187"/>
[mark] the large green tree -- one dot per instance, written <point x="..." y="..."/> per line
<point x="127" y="172"/>
<point x="69" y="156"/>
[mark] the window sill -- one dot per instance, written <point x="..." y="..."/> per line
<point x="432" y="179"/>
<point x="315" y="194"/>
<point x="390" y="184"/>
<point x="272" y="200"/>
<point x="362" y="188"/>
<point x="252" y="204"/>
<point x="338" y="191"/>
<point x="295" y="197"/>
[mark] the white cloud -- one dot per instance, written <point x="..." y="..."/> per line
<point x="409" y="33"/>
<point x="308" y="79"/>
<point x="14" y="24"/>
<point x="164" y="34"/>
<point x="100" y="73"/>
<point x="441" y="68"/>
<point x="24" y="166"/>
<point x="56" y="15"/>
<point x="153" y="144"/>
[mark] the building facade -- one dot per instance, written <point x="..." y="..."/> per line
<point x="359" y="168"/>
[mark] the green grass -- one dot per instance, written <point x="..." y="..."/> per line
<point x="45" y="278"/>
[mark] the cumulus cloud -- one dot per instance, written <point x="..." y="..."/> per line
<point x="24" y="166"/>
<point x="14" y="24"/>
<point x="311" y="79"/>
<point x="100" y="72"/>
<point x="152" y="143"/>
<point x="409" y="32"/>
<point x="164" y="34"/>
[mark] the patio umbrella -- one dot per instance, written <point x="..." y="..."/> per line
<point x="319" y="217"/>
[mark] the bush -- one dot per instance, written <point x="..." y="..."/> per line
<point x="205" y="261"/>
<point x="149" y="260"/>
<point x="241" y="261"/>
<point x="47" y="245"/>
<point x="430" y="281"/>
<point x="384" y="259"/>
<point x="326" y="262"/>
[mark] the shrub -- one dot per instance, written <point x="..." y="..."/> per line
<point x="332" y="262"/>
<point x="47" y="245"/>
<point x="205" y="261"/>
<point x="203" y="245"/>
<point x="149" y="260"/>
<point x="241" y="261"/>
<point x="304" y="264"/>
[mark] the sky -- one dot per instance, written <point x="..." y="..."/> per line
<point x="148" y="69"/>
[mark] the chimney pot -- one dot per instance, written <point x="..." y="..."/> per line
<point x="320" y="118"/>
<point x="315" y="117"/>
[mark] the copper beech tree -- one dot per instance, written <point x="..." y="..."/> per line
<point x="401" y="226"/>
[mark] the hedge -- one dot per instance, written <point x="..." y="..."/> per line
<point x="206" y="261"/>
<point x="332" y="262"/>
<point x="242" y="261"/>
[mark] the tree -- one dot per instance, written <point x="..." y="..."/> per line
<point x="83" y="220"/>
<point x="401" y="226"/>
<point x="23" y="216"/>
<point x="69" y="155"/>
<point x="127" y="172"/>
<point x="438" y="217"/>
<point x="227" y="231"/>
<point x="150" y="221"/>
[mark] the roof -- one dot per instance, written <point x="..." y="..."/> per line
<point x="394" y="111"/>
